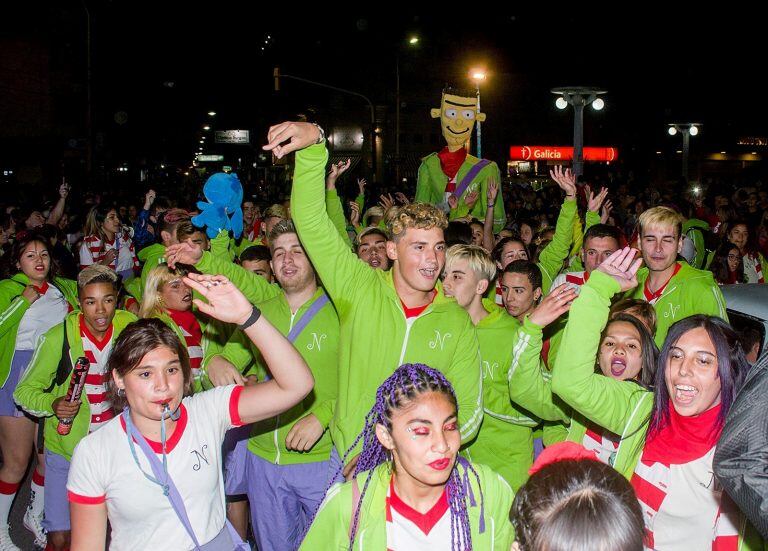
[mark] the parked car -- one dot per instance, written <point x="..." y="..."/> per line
<point x="747" y="307"/>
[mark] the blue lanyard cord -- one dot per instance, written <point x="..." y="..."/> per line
<point x="129" y="426"/>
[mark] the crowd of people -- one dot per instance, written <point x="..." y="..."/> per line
<point x="358" y="372"/>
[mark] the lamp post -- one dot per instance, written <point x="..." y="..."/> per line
<point x="687" y="129"/>
<point x="413" y="41"/>
<point x="278" y="75"/>
<point x="578" y="97"/>
<point x="478" y="75"/>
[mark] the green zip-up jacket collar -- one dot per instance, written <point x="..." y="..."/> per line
<point x="689" y="292"/>
<point x="318" y="344"/>
<point x="330" y="529"/>
<point x="12" y="308"/>
<point x="376" y="337"/>
<point x="621" y="407"/>
<point x="33" y="395"/>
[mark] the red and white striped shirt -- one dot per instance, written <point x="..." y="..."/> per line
<point x="97" y="352"/>
<point x="604" y="443"/>
<point x="193" y="337"/>
<point x="92" y="251"/>
<point x="574" y="279"/>
<point x="684" y="507"/>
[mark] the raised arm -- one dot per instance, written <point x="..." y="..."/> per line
<point x="488" y="227"/>
<point x="556" y="252"/>
<point x="342" y="273"/>
<point x="291" y="378"/>
<point x="603" y="400"/>
<point x="58" y="209"/>
<point x="253" y="286"/>
<point x="529" y="382"/>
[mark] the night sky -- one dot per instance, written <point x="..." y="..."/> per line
<point x="164" y="66"/>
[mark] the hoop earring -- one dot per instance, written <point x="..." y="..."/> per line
<point x="121" y="393"/>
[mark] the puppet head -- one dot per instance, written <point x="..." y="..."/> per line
<point x="458" y="113"/>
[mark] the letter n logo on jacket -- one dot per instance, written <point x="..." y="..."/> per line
<point x="439" y="340"/>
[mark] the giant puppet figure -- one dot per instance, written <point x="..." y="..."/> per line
<point x="453" y="171"/>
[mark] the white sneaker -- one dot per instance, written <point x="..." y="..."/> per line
<point x="6" y="544"/>
<point x="34" y="524"/>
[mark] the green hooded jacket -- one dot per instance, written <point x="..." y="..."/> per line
<point x="689" y="292"/>
<point x="330" y="529"/>
<point x="376" y="337"/>
<point x="505" y="439"/>
<point x="12" y="308"/>
<point x="318" y="344"/>
<point x="34" y="392"/>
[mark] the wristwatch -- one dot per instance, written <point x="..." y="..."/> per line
<point x="321" y="137"/>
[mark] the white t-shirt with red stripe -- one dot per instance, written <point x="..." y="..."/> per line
<point x="43" y="314"/>
<point x="104" y="471"/>
<point x="408" y="529"/>
<point x="91" y="252"/>
<point x="97" y="352"/>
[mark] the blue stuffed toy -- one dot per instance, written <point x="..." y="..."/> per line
<point x="225" y="195"/>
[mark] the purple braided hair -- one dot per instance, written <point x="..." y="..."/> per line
<point x="407" y="382"/>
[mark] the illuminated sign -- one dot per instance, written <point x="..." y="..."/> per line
<point x="233" y="136"/>
<point x="210" y="158"/>
<point x="556" y="153"/>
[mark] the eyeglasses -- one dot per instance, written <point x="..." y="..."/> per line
<point x="733" y="257"/>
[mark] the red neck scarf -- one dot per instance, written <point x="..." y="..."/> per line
<point x="684" y="439"/>
<point x="451" y="161"/>
<point x="188" y="321"/>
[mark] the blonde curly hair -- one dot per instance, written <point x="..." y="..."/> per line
<point x="422" y="216"/>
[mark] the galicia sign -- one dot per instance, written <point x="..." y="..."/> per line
<point x="555" y="153"/>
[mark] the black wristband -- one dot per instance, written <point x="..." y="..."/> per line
<point x="255" y="315"/>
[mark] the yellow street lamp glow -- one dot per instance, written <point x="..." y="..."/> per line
<point x="211" y="113"/>
<point x="478" y="74"/>
<point x="413" y="40"/>
<point x="206" y="127"/>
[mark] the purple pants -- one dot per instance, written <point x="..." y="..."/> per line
<point x="8" y="407"/>
<point x="283" y="498"/>
<point x="235" y="452"/>
<point x="56" y="502"/>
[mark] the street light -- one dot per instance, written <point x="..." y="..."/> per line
<point x="413" y="41"/>
<point x="206" y="127"/>
<point x="578" y="97"/>
<point x="211" y="113"/>
<point x="478" y="75"/>
<point x="687" y="129"/>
